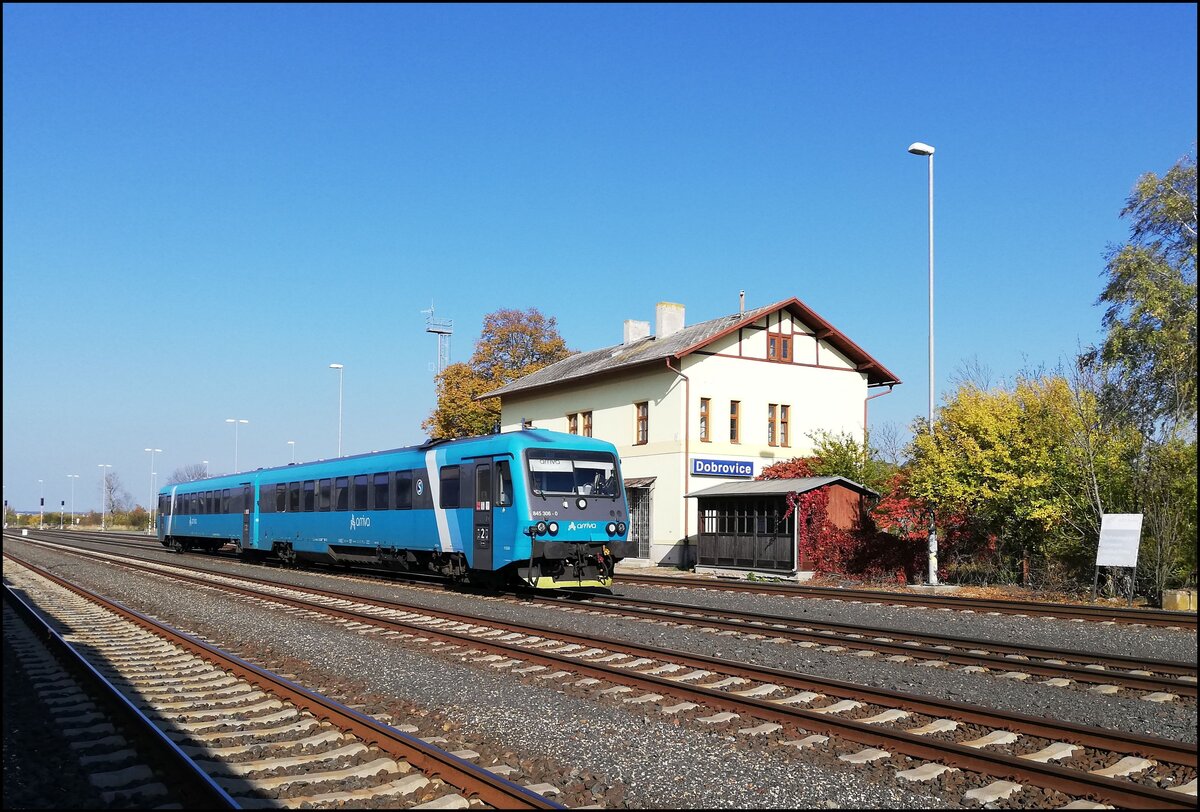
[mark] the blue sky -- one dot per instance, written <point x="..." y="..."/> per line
<point x="205" y="206"/>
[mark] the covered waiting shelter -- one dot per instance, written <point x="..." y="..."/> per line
<point x="743" y="524"/>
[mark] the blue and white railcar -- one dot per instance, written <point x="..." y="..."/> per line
<point x="534" y="506"/>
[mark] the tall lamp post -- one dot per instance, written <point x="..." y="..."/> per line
<point x="73" y="477"/>
<point x="153" y="451"/>
<point x="926" y="150"/>
<point x="41" y="506"/>
<point x="103" y="492"/>
<point x="235" y="422"/>
<point x="292" y="443"/>
<point x="338" y="367"/>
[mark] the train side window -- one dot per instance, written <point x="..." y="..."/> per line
<point x="483" y="487"/>
<point x="236" y="502"/>
<point x="310" y="490"/>
<point x="294" y="497"/>
<point x="381" y="492"/>
<point x="449" y="490"/>
<point x="341" y="493"/>
<point x="324" y="495"/>
<point x="358" y="496"/>
<point x="281" y="498"/>
<point x="503" y="484"/>
<point x="210" y="502"/>
<point x="404" y="480"/>
<point x="225" y="501"/>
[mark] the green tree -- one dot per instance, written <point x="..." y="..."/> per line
<point x="1150" y="299"/>
<point x="512" y="344"/>
<point x="842" y="455"/>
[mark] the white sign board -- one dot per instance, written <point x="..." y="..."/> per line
<point x="1120" y="535"/>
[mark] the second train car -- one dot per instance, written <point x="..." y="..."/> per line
<point x="532" y="507"/>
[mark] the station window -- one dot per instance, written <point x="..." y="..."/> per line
<point x="772" y="417"/>
<point x="779" y="347"/>
<point x="783" y="424"/>
<point x="587" y="424"/>
<point x="642" y="433"/>
<point x="705" y="408"/>
<point x="734" y="431"/>
<point x="572" y="424"/>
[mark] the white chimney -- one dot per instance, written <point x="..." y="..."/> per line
<point x="635" y="331"/>
<point x="668" y="319"/>
<point x="742" y="303"/>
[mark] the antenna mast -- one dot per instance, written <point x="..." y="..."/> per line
<point x="443" y="329"/>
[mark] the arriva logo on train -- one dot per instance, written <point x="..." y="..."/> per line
<point x="583" y="526"/>
<point x="359" y="521"/>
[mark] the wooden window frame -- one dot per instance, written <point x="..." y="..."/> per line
<point x="781" y="352"/>
<point x="641" y="425"/>
<point x="705" y="420"/>
<point x="785" y="410"/>
<point x="573" y="423"/>
<point x="772" y="424"/>
<point x="587" y="424"/>
<point x="735" y="424"/>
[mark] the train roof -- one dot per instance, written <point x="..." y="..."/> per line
<point x="522" y="439"/>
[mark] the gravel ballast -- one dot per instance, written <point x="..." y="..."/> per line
<point x="657" y="762"/>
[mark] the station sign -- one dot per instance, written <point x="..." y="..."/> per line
<point x="743" y="469"/>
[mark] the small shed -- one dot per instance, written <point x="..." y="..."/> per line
<point x="742" y="524"/>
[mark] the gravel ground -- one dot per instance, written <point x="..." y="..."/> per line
<point x="659" y="764"/>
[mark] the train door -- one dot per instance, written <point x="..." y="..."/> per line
<point x="482" y="559"/>
<point x="247" y="506"/>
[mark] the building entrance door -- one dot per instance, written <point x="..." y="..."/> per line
<point x="639" y="519"/>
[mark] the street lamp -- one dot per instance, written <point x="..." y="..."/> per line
<point x="41" y="506"/>
<point x="926" y="150"/>
<point x="73" y="477"/>
<point x="153" y="451"/>
<point x="292" y="443"/>
<point x="235" y="422"/>
<point x="205" y="462"/>
<point x="338" y="367"/>
<point x="103" y="492"/>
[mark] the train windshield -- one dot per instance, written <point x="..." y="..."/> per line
<point x="573" y="473"/>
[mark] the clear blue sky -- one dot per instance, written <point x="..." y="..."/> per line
<point x="205" y="206"/>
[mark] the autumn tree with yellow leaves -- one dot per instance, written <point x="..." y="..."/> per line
<point x="512" y="344"/>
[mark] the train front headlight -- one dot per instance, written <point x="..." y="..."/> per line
<point x="541" y="528"/>
<point x="621" y="528"/>
<point x="553" y="527"/>
<point x="611" y="528"/>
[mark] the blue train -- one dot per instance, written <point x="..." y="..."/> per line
<point x="531" y="507"/>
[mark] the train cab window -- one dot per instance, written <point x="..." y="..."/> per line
<point x="341" y="493"/>
<point x="404" y="481"/>
<point x="310" y="491"/>
<point x="281" y="498"/>
<point x="164" y="505"/>
<point x="504" y="488"/>
<point x="449" y="490"/>
<point x="294" y="497"/>
<point x="358" y="496"/>
<point x="324" y="494"/>
<point x="380" y="492"/>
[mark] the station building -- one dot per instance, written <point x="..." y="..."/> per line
<point x="691" y="407"/>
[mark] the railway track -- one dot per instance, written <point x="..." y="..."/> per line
<point x="258" y="738"/>
<point x="1103" y="614"/>
<point x="1156" y="680"/>
<point x="858" y="724"/>
<point x="1099" y="614"/>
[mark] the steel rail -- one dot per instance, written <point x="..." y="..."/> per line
<point x="476" y="781"/>
<point x="1102" y="739"/>
<point x="198" y="789"/>
<point x="1149" y="617"/>
<point x="753" y="622"/>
